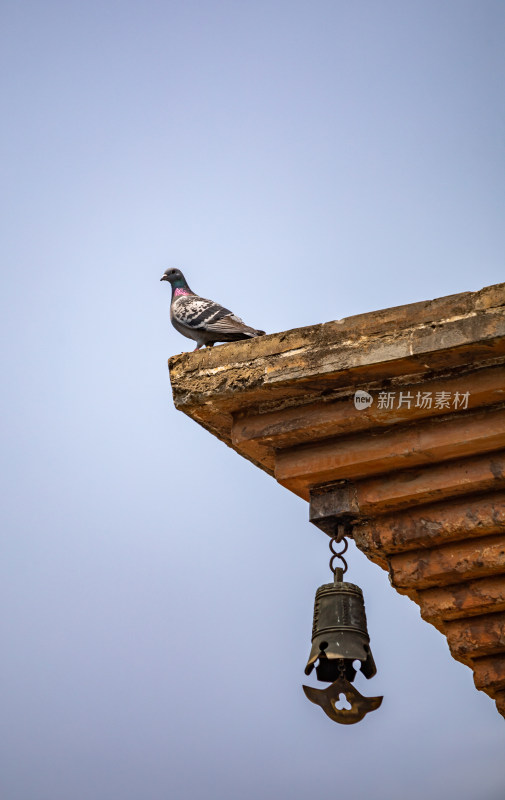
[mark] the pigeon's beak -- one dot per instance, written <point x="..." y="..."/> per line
<point x="164" y="278"/>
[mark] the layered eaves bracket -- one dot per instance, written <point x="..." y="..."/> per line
<point x="423" y="446"/>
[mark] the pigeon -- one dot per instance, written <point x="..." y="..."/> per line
<point x="203" y="320"/>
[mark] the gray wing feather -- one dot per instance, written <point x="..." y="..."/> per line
<point x="202" y="314"/>
<point x="196" y="312"/>
<point x="207" y="321"/>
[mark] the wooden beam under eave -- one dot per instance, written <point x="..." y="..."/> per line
<point x="432" y="525"/>
<point x="472" y="637"/>
<point x="306" y="423"/>
<point x="372" y="453"/>
<point x="489" y="673"/>
<point x="470" y="598"/>
<point x="429" y="484"/>
<point x="452" y="563"/>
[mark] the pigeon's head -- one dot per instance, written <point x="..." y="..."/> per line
<point x="174" y="276"/>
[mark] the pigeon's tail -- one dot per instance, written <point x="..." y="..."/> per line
<point x="244" y="333"/>
<point x="252" y="332"/>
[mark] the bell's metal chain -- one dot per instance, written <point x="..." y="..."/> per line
<point x="337" y="539"/>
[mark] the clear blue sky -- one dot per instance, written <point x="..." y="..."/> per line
<point x="300" y="162"/>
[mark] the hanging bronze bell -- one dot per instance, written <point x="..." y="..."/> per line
<point x="339" y="639"/>
<point x="340" y="631"/>
<point x="339" y="634"/>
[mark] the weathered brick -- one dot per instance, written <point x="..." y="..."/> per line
<point x="489" y="673"/>
<point x="449" y="563"/>
<point x="433" y="525"/>
<point x="476" y="636"/>
<point x="469" y="598"/>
